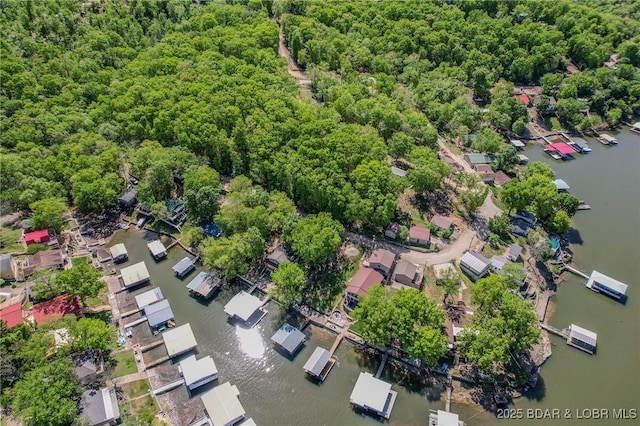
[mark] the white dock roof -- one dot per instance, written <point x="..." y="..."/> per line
<point x="561" y="185"/>
<point x="118" y="250"/>
<point x="222" y="405"/>
<point x="158" y="313"/>
<point x="370" y="392"/>
<point x="148" y="297"/>
<point x="317" y="361"/>
<point x="289" y="338"/>
<point x="156" y="248"/>
<point x="134" y="274"/>
<point x="194" y="370"/>
<point x="607" y="281"/>
<point x="183" y="265"/>
<point x="179" y="340"/>
<point x="243" y="305"/>
<point x="443" y="418"/>
<point x="583" y="335"/>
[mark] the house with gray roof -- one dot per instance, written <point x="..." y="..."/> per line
<point x="406" y="273"/>
<point x="158" y="313"/>
<point x="289" y="338"/>
<point x="100" y="407"/>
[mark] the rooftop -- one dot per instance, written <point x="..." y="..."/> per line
<point x="442" y="221"/>
<point x="497" y="262"/>
<point x="561" y="185"/>
<point x="40" y="235"/>
<point x="523" y="98"/>
<point x="277" y="257"/>
<point x="289" y="338"/>
<point x="602" y="279"/>
<point x="194" y="370"/>
<point x="317" y="361"/>
<point x="243" y="306"/>
<point x="158" y="313"/>
<point x="157" y="248"/>
<point x="128" y="196"/>
<point x="118" y="250"/>
<point x="516" y="143"/>
<point x="134" y="274"/>
<point x="398" y="171"/>
<point x="12" y="315"/>
<point x="514" y="251"/>
<point x="475" y="261"/>
<point x="444" y="418"/>
<point x="372" y="393"/>
<point x="100" y="406"/>
<point x="419" y="233"/>
<point x="212" y="229"/>
<point x="183" y="266"/>
<point x="502" y="178"/>
<point x="363" y="280"/>
<point x="222" y="405"/>
<point x="382" y="257"/>
<point x="406" y="268"/>
<point x="583" y="335"/>
<point x="562" y="148"/>
<point x="55" y="308"/>
<point x="478" y="158"/>
<point x="178" y="340"/>
<point x="580" y="142"/>
<point x="148" y="297"/>
<point x="43" y="260"/>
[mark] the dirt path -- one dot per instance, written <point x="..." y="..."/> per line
<point x="294" y="69"/>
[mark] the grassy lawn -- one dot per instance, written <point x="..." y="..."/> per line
<point x="552" y="123"/>
<point x="356" y="328"/>
<point x="9" y="238"/>
<point x="137" y="388"/>
<point x="141" y="411"/>
<point x="125" y="364"/>
<point x="79" y="260"/>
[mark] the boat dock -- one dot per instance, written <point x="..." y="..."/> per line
<point x="385" y="357"/>
<point x="136" y="322"/>
<point x="168" y="387"/>
<point x="607" y="139"/>
<point x="562" y="333"/>
<point x="576" y="271"/>
<point x="151" y="345"/>
<point x="129" y="313"/>
<point x="156" y="362"/>
<point x="336" y="343"/>
<point x="577" y="337"/>
<point x="583" y="207"/>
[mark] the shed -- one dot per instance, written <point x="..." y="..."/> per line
<point x="582" y="338"/>
<point x="406" y="273"/>
<point x="319" y="363"/>
<point x="475" y="264"/>
<point x="100" y="407"/>
<point x="604" y="284"/>
<point x="158" y="313"/>
<point x="12" y="315"/>
<point x="179" y="340"/>
<point x="382" y="261"/>
<point x="398" y="171"/>
<point x="55" y="308"/>
<point x="497" y="263"/>
<point x="246" y="308"/>
<point x="360" y="284"/>
<point x="36" y="237"/>
<point x="419" y="235"/>
<point x="392" y="230"/>
<point x="149" y="297"/>
<point x="119" y="253"/>
<point x="373" y="394"/>
<point x="223" y="406"/>
<point x="514" y="252"/>
<point x="276" y="257"/>
<point x="442" y="222"/>
<point x="6" y="268"/>
<point x="203" y="285"/>
<point x="561" y="185"/>
<point x="183" y="267"/>
<point x="157" y="249"/>
<point x="128" y="198"/>
<point x="289" y="338"/>
<point x="134" y="275"/>
<point x="198" y="372"/>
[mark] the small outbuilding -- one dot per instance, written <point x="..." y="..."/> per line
<point x="289" y="338"/>
<point x="158" y="313"/>
<point x="276" y="258"/>
<point x="182" y="268"/>
<point x="197" y="372"/>
<point x="513" y="254"/>
<point x="382" y="261"/>
<point x="497" y="263"/>
<point x="373" y="395"/>
<point x="475" y="265"/>
<point x="406" y="273"/>
<point x="392" y="230"/>
<point x="134" y="275"/>
<point x="246" y="308"/>
<point x="179" y="340"/>
<point x="319" y="364"/>
<point x="582" y="339"/>
<point x="40" y="236"/>
<point x="119" y="253"/>
<point x="12" y="315"/>
<point x="149" y="297"/>
<point x="419" y="235"/>
<point x="157" y="249"/>
<point x="223" y="406"/>
<point x="6" y="268"/>
<point x="100" y="407"/>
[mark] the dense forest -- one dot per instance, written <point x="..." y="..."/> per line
<point x="183" y="94"/>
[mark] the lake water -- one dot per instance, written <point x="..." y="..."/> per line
<point x="275" y="391"/>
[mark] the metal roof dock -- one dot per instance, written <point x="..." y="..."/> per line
<point x="223" y="406"/>
<point x="134" y="275"/>
<point x="198" y="372"/>
<point x="319" y="363"/>
<point x="246" y="308"/>
<point x="149" y="297"/>
<point x="158" y="313"/>
<point x="374" y="395"/>
<point x="119" y="253"/>
<point x="582" y="339"/>
<point x="157" y="249"/>
<point x="289" y="338"/>
<point x="604" y="284"/>
<point x="179" y="340"/>
<point x="182" y="268"/>
<point x="203" y="285"/>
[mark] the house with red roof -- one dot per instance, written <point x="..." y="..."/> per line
<point x="524" y="99"/>
<point x="382" y="261"/>
<point x="36" y="237"/>
<point x="12" y="315"/>
<point x="56" y="308"/>
<point x="360" y="284"/>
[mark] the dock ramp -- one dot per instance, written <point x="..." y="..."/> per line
<point x="168" y="387"/>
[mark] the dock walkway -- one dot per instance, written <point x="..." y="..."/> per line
<point x="156" y="362"/>
<point x="385" y="357"/>
<point x="576" y="271"/>
<point x="562" y="333"/>
<point x="336" y="343"/>
<point x="151" y="345"/>
<point x="168" y="387"/>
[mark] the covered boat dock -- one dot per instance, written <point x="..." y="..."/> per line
<point x="198" y="372"/>
<point x="289" y="338"/>
<point x="179" y="340"/>
<point x="119" y="253"/>
<point x="374" y="395"/>
<point x="604" y="284"/>
<point x="203" y="285"/>
<point x="157" y="249"/>
<point x="246" y="308"/>
<point x="583" y="339"/>
<point x="319" y="364"/>
<point x="134" y="275"/>
<point x="223" y="406"/>
<point x="182" y="268"/>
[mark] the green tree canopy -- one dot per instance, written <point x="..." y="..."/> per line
<point x="315" y="238"/>
<point x="80" y="280"/>
<point x="47" y="213"/>
<point x="290" y="281"/>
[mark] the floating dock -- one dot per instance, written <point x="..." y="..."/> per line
<point x="577" y="337"/>
<point x="607" y="139"/>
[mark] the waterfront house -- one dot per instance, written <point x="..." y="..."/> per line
<point x="179" y="340"/>
<point x="289" y="338"/>
<point x="43" y="260"/>
<point x="474" y="159"/>
<point x="100" y="407"/>
<point x="12" y="315"/>
<point x="419" y="235"/>
<point x="397" y="171"/>
<point x="475" y="265"/>
<point x="582" y="339"/>
<point x="182" y="268"/>
<point x="128" y="198"/>
<point x="276" y="257"/>
<point x="319" y="363"/>
<point x="222" y="405"/>
<point x="406" y="273"/>
<point x="88" y="366"/>
<point x="501" y="178"/>
<point x="134" y="275"/>
<point x="360" y="284"/>
<point x="561" y="185"/>
<point x="513" y="254"/>
<point x="176" y="210"/>
<point x="197" y="372"/>
<point x="382" y="261"/>
<point x="486" y="172"/>
<point x="203" y="285"/>
<point x="119" y="253"/>
<point x="442" y="222"/>
<point x="149" y="297"/>
<point x="40" y="236"/>
<point x="245" y="307"/>
<point x="157" y="249"/>
<point x="392" y="230"/>
<point x="373" y="395"/>
<point x="444" y="418"/>
<point x="158" y="314"/>
<point x="56" y="308"/>
<point x="6" y="268"/>
<point x="604" y="284"/>
<point x="497" y="263"/>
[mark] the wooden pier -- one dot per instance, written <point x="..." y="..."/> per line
<point x="576" y="271"/>
<point x="336" y="343"/>
<point x="168" y="387"/>
<point x="562" y="333"/>
<point x="385" y="357"/>
<point x="447" y="404"/>
<point x="129" y="313"/>
<point x="151" y="345"/>
<point x="156" y="362"/>
<point x="136" y="322"/>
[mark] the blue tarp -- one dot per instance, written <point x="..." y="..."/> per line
<point x="212" y="229"/>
